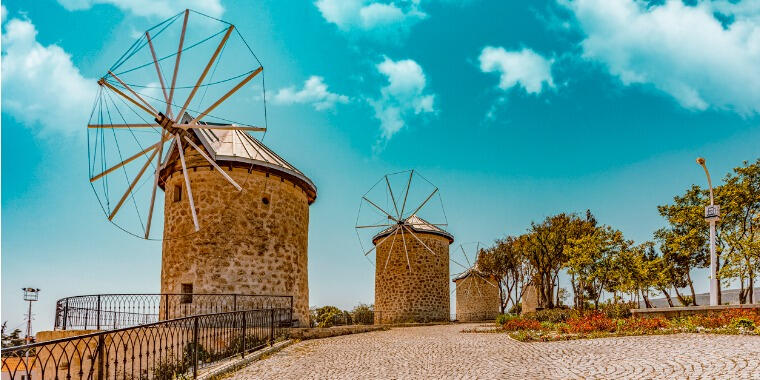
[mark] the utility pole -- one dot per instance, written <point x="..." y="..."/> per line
<point x="30" y="295"/>
<point x="712" y="215"/>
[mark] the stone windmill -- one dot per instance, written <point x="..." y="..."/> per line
<point x="236" y="214"/>
<point x="411" y="248"/>
<point x="477" y="293"/>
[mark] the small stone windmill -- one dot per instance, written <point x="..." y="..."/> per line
<point x="397" y="217"/>
<point x="236" y="214"/>
<point x="477" y="295"/>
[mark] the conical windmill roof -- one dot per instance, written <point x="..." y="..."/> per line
<point x="239" y="149"/>
<point x="418" y="225"/>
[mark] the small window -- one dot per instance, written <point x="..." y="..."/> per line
<point x="178" y="196"/>
<point x="187" y="293"/>
<point x="265" y="200"/>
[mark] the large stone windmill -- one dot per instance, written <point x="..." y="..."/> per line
<point x="411" y="252"/>
<point x="236" y="214"/>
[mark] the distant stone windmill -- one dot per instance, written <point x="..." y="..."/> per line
<point x="477" y="293"/>
<point x="236" y="214"/>
<point x="399" y="217"/>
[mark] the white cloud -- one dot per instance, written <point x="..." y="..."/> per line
<point x="371" y="15"/>
<point x="314" y="92"/>
<point x="403" y="97"/>
<point x="525" y="67"/>
<point x="681" y="50"/>
<point x="158" y="8"/>
<point x="40" y="83"/>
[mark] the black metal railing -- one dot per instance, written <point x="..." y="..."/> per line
<point x="114" y="311"/>
<point x="172" y="349"/>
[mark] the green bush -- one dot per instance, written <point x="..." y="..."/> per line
<point x="328" y="316"/>
<point x="516" y="309"/>
<point x="618" y="310"/>
<point x="363" y="314"/>
<point x="503" y="318"/>
<point x="744" y="323"/>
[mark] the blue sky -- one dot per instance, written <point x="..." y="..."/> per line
<point x="515" y="110"/>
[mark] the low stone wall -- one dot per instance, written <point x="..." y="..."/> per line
<point x="671" y="312"/>
<point x="326" y="332"/>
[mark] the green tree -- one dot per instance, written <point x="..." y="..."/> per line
<point x="13" y="339"/>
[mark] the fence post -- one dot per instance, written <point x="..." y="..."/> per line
<point x="195" y="347"/>
<point x="166" y="307"/>
<point x="66" y="314"/>
<point x="242" y="340"/>
<point x="100" y="353"/>
<point x="290" y="313"/>
<point x="98" y="323"/>
<point x="271" y="326"/>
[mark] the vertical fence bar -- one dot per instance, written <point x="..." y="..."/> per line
<point x="271" y="326"/>
<point x="66" y="314"/>
<point x="166" y="306"/>
<point x="242" y="338"/>
<point x="100" y="353"/>
<point x="98" y="323"/>
<point x="195" y="347"/>
<point x="234" y="302"/>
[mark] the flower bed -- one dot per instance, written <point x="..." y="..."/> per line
<point x="596" y="324"/>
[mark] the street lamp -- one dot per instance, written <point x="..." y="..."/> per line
<point x="31" y="295"/>
<point x="712" y="215"/>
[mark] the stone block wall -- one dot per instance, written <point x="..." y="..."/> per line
<point x="477" y="299"/>
<point x="417" y="295"/>
<point x="253" y="242"/>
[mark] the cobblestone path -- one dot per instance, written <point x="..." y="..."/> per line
<point x="443" y="352"/>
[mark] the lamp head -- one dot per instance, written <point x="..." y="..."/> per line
<point x="701" y="161"/>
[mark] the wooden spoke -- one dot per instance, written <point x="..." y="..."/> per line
<point x="380" y="242"/>
<point x="122" y="125"/>
<point x="176" y="64"/>
<point x="392" y="197"/>
<point x="375" y="225"/>
<point x="155" y="187"/>
<point x="128" y="160"/>
<point x="406" y="252"/>
<point x="227" y="95"/>
<point x="426" y="200"/>
<point x="205" y="71"/>
<point x="228" y="127"/>
<point x="390" y="251"/>
<point x="486" y="280"/>
<point x="158" y="67"/>
<point x="465" y="255"/>
<point x="419" y="240"/>
<point x="213" y="163"/>
<point x="187" y="182"/>
<point x="378" y="207"/>
<point x="403" y="206"/>
<point x="132" y="186"/>
<point x="133" y="92"/>
<point x="426" y="224"/>
<point x="457" y="263"/>
<point x="103" y="82"/>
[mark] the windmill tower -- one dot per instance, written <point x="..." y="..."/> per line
<point x="477" y="295"/>
<point x="236" y="214"/>
<point x="411" y="253"/>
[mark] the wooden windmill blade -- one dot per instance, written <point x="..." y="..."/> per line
<point x="136" y="139"/>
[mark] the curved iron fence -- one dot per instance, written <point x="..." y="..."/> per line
<point x="172" y="349"/>
<point x="114" y="311"/>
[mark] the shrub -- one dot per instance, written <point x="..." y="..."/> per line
<point x="516" y="324"/>
<point x="591" y="322"/>
<point x="743" y="323"/>
<point x="516" y="309"/>
<point x="502" y="318"/>
<point x="328" y="316"/>
<point x="618" y="310"/>
<point x="644" y="324"/>
<point x="363" y="314"/>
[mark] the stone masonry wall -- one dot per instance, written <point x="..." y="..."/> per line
<point x="252" y="242"/>
<point x="419" y="295"/>
<point x="477" y="300"/>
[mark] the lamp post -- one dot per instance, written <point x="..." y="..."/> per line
<point x="30" y="295"/>
<point x="712" y="215"/>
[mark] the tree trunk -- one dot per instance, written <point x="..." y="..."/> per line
<point x="751" y="286"/>
<point x="691" y="287"/>
<point x="680" y="297"/>
<point x="742" y="293"/>
<point x="667" y="297"/>
<point x="647" y="304"/>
